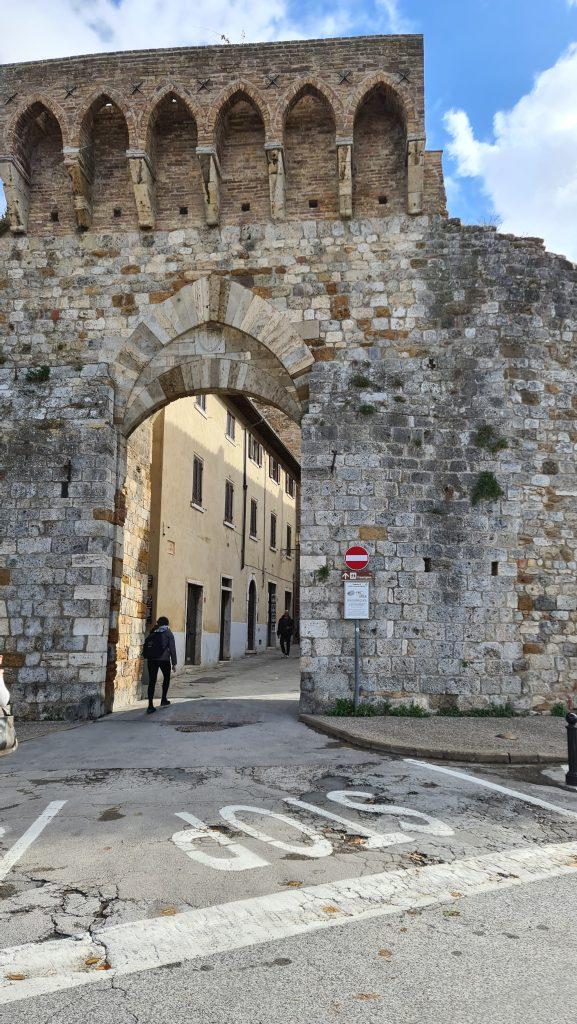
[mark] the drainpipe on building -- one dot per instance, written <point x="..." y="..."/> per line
<point x="244" y="495"/>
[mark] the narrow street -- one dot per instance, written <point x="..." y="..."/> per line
<point x="221" y="862"/>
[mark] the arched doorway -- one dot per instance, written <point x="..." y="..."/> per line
<point x="251" y="617"/>
<point x="212" y="337"/>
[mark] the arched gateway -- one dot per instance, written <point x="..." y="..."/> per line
<point x="213" y="335"/>
<point x="279" y="233"/>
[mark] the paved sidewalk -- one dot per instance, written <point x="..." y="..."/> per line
<point x="533" y="740"/>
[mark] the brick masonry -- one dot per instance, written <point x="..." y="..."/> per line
<point x="419" y="354"/>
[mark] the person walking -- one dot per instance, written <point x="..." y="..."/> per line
<point x="285" y="630"/>
<point x="160" y="653"/>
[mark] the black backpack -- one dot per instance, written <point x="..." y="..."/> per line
<point x="156" y="645"/>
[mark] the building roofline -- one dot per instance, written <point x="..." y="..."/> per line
<point x="262" y="429"/>
<point x="223" y="47"/>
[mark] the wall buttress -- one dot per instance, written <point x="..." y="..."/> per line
<point x="415" y="174"/>
<point x="144" y="185"/>
<point x="17" y="192"/>
<point x="210" y="170"/>
<point x="276" y="179"/>
<point x="81" y="185"/>
<point x="345" y="163"/>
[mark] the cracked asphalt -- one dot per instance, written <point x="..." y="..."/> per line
<point x="108" y="860"/>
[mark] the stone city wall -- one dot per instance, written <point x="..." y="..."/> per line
<point x="442" y="353"/>
<point x="430" y="364"/>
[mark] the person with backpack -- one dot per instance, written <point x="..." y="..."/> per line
<point x="160" y="653"/>
<point x="285" y="630"/>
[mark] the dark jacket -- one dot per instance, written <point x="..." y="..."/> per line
<point x="168" y="649"/>
<point x="286" y="626"/>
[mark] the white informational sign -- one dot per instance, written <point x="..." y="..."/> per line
<point x="356" y="599"/>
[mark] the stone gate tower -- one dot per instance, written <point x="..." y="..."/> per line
<point x="266" y="220"/>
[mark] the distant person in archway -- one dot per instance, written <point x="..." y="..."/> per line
<point x="160" y="653"/>
<point x="285" y="630"/>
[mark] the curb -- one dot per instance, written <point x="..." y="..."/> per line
<point x="435" y="754"/>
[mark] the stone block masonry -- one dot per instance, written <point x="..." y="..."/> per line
<point x="431" y="367"/>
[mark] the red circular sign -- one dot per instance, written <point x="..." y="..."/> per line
<point x="357" y="557"/>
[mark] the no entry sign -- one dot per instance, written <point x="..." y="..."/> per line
<point x="357" y="557"/>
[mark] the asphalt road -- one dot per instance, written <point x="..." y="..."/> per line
<point x="219" y="862"/>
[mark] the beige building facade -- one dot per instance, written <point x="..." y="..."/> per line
<point x="223" y="560"/>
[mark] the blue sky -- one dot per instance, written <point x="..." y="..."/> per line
<point x="483" y="61"/>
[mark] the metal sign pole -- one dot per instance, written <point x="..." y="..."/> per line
<point x="357" y="664"/>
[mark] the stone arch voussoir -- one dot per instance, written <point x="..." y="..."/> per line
<point x="215" y="301"/>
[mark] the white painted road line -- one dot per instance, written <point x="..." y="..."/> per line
<point x="21" y="845"/>
<point x="144" y="945"/>
<point x="494" y="786"/>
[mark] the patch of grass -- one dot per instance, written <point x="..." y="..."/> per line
<point x="559" y="710"/>
<point x="486" y="488"/>
<point x="367" y="410"/>
<point x="491" y="711"/>
<point x="38" y="374"/>
<point x="322" y="574"/>
<point x="487" y="437"/>
<point x="359" y="380"/>
<point x="344" y="708"/>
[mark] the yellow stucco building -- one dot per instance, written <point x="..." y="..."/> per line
<point x="223" y="532"/>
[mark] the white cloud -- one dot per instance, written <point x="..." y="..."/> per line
<point x="529" y="170"/>
<point x="398" y="23"/>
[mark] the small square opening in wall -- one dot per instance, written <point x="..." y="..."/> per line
<point x="245" y="207"/>
<point x="54" y="216"/>
<point x="383" y="200"/>
<point x="313" y="204"/>
<point x="117" y="211"/>
<point x="494" y="568"/>
<point x="427" y="562"/>
<point x="183" y="211"/>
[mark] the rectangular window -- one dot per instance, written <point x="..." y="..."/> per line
<point x="273" y="469"/>
<point x="201" y="402"/>
<point x="289" y="541"/>
<point x="228" y="502"/>
<point x="289" y="485"/>
<point x="253" y="517"/>
<point x="197" y="471"/>
<point x="254" y="450"/>
<point x="273" y="530"/>
<point x="230" y="425"/>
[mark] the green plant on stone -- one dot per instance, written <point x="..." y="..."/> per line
<point x="359" y="380"/>
<point x="399" y="399"/>
<point x="559" y="710"/>
<point x="397" y="382"/>
<point x="322" y="574"/>
<point x="487" y="437"/>
<point x="486" y="488"/>
<point x="38" y="374"/>
<point x="491" y="711"/>
<point x="344" y="708"/>
<point x="4" y="225"/>
<point x="367" y="410"/>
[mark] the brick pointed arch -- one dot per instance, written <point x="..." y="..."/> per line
<point x="400" y="102"/>
<point x="147" y="115"/>
<point x="238" y="89"/>
<point x="20" y="114"/>
<point x="212" y="301"/>
<point x="303" y="86"/>
<point x="107" y="95"/>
